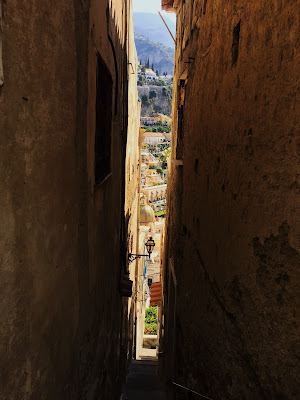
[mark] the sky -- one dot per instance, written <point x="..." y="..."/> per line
<point x="151" y="6"/>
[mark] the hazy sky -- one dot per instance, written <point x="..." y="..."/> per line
<point x="151" y="6"/>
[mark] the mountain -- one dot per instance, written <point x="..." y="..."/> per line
<point x="162" y="57"/>
<point x="152" y="26"/>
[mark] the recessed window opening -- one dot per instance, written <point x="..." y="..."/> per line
<point x="104" y="86"/>
<point x="235" y="43"/>
<point x="179" y="148"/>
<point x="180" y="112"/>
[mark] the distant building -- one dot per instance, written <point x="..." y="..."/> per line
<point x="167" y="136"/>
<point x="147" y="217"/>
<point x="154" y="137"/>
<point x="148" y="158"/>
<point x="150" y="75"/>
<point x="148" y="120"/>
<point x="155" y="193"/>
<point x="152" y="177"/>
<point x="163" y="119"/>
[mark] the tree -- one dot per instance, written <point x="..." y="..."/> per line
<point x="141" y="80"/>
<point x="147" y="63"/>
<point x="164" y="157"/>
<point x="157" y="108"/>
<point x="157" y="73"/>
<point x="152" y="94"/>
<point x="151" y="321"/>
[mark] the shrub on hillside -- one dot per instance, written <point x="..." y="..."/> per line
<point x="151" y="321"/>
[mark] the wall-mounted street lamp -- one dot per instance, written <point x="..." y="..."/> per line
<point x="149" y="246"/>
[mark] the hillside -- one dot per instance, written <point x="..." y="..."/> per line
<point x="162" y="57"/>
<point x="152" y="27"/>
<point x="155" y="99"/>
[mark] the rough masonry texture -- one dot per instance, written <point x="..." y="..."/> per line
<point x="63" y="323"/>
<point x="233" y="231"/>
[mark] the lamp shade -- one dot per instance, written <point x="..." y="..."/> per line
<point x="150" y="245"/>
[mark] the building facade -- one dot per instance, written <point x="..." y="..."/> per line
<point x="150" y="75"/>
<point x="66" y="74"/>
<point x="232" y="236"/>
<point x="154" y="137"/>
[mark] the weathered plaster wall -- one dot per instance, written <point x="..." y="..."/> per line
<point x="233" y="207"/>
<point x="61" y="312"/>
<point x="132" y="200"/>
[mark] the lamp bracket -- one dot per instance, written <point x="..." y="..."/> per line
<point x="132" y="257"/>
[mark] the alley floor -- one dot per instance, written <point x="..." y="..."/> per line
<point x="143" y="381"/>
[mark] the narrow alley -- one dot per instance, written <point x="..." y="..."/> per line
<point x="149" y="200"/>
<point x="143" y="381"/>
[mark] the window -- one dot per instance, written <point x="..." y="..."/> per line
<point x="180" y="110"/>
<point x="179" y="147"/>
<point x="235" y="43"/>
<point x="104" y="87"/>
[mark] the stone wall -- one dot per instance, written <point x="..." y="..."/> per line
<point x="62" y="316"/>
<point x="233" y="201"/>
<point x="132" y="183"/>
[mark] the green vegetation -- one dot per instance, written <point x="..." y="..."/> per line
<point x="164" y="157"/>
<point x="141" y="80"/>
<point x="146" y="100"/>
<point x="158" y="128"/>
<point x="152" y="94"/>
<point x="167" y="92"/>
<point x="161" y="214"/>
<point x="151" y="321"/>
<point x="167" y="152"/>
<point x="157" y="108"/>
<point x="160" y="171"/>
<point x="157" y="149"/>
<point x="159" y="82"/>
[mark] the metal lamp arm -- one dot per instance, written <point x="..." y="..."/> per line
<point x="132" y="257"/>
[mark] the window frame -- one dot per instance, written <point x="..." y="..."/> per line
<point x="103" y="122"/>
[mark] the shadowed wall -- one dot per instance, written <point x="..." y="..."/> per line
<point x="233" y="201"/>
<point x="60" y="235"/>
